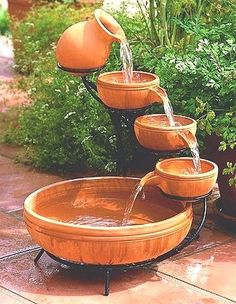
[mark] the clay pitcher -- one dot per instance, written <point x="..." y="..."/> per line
<point x="85" y="46"/>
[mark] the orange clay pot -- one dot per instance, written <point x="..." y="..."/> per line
<point x="157" y="224"/>
<point x="142" y="91"/>
<point x="172" y="177"/>
<point x="153" y="132"/>
<point x="85" y="46"/>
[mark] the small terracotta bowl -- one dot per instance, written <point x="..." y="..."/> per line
<point x="117" y="94"/>
<point x="176" y="177"/>
<point x="53" y="217"/>
<point x="153" y="132"/>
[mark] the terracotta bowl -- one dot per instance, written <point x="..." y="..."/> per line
<point x="176" y="177"/>
<point x="154" y="133"/>
<point x="65" y="220"/>
<point x="117" y="94"/>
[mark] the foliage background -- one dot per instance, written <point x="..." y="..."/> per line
<point x="191" y="46"/>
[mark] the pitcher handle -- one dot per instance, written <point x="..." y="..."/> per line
<point x="156" y="95"/>
<point x="150" y="178"/>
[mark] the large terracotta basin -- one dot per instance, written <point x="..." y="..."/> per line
<point x="177" y="177"/>
<point x="65" y="220"/>
<point x="117" y="94"/>
<point x="154" y="132"/>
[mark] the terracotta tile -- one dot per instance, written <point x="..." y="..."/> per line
<point x="18" y="182"/>
<point x="51" y="283"/>
<point x="212" y="269"/>
<point x="17" y="213"/>
<point x="207" y="239"/>
<point x="13" y="235"/>
<point x="7" y="297"/>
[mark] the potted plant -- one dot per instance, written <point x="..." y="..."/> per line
<point x="225" y="158"/>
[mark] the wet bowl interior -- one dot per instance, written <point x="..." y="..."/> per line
<point x="154" y="132"/>
<point x="79" y="220"/>
<point x="117" y="79"/>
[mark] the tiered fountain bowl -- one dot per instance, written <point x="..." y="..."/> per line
<point x="154" y="132"/>
<point x="157" y="224"/>
<point x="177" y="177"/>
<point x="118" y="94"/>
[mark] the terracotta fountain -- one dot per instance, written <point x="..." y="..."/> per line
<point x="158" y="226"/>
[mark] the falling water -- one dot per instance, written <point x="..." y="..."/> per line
<point x="168" y="110"/>
<point x="129" y="206"/>
<point x="189" y="138"/>
<point x="191" y="141"/>
<point x="196" y="158"/>
<point x="127" y="61"/>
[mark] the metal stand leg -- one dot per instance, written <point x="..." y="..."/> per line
<point x="195" y="233"/>
<point x="107" y="282"/>
<point x="38" y="256"/>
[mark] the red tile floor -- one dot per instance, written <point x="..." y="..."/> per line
<point x="205" y="272"/>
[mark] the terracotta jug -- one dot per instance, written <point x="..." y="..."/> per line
<point x="173" y="176"/>
<point x="85" y="46"/>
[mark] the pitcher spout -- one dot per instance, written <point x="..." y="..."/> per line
<point x="189" y="138"/>
<point x="109" y="25"/>
<point x="157" y="94"/>
<point x="151" y="179"/>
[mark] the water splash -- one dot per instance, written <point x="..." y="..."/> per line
<point x="127" y="61"/>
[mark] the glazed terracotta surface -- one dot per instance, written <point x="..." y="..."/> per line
<point x="153" y="132"/>
<point x="87" y="45"/>
<point x="141" y="92"/>
<point x="156" y="225"/>
<point x="174" y="177"/>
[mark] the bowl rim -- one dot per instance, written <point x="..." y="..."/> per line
<point x="139" y="124"/>
<point x="186" y="207"/>
<point x="190" y="177"/>
<point x="147" y="84"/>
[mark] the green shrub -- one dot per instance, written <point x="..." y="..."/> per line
<point x="4" y="22"/>
<point x="202" y="82"/>
<point x="68" y="129"/>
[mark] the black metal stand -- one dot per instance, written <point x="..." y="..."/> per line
<point x="108" y="269"/>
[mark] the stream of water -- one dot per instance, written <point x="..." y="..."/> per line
<point x="127" y="61"/>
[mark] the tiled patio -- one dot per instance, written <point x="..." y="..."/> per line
<point x="203" y="273"/>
